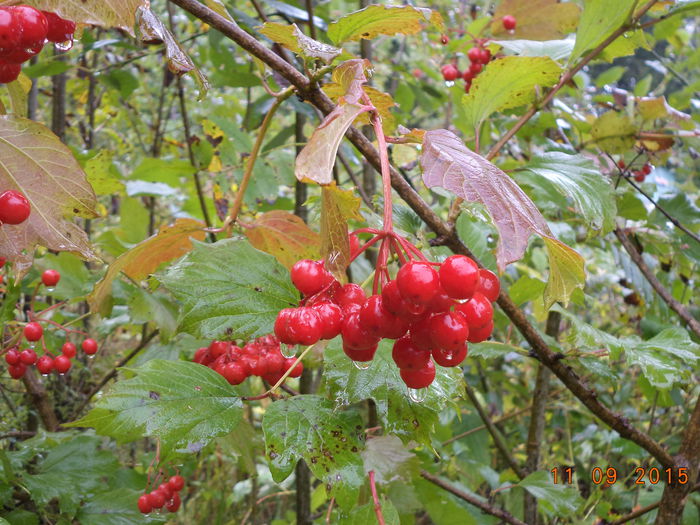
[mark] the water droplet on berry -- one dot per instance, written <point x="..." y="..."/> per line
<point x="61" y="373"/>
<point x="417" y="395"/>
<point x="288" y="350"/>
<point x="65" y="46"/>
<point x="50" y="289"/>
<point x="31" y="344"/>
<point x="45" y="375"/>
<point x="449" y="83"/>
<point x="91" y="356"/>
<point x="362" y="365"/>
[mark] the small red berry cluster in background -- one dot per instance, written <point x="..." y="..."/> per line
<point x="166" y="495"/>
<point x="639" y="175"/>
<point x="14" y="206"/>
<point x="428" y="313"/>
<point x="23" y="32"/>
<point x="261" y="357"/>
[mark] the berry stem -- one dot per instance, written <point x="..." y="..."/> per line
<point x="386" y="170"/>
<point x="375" y="498"/>
<point x="282" y="379"/>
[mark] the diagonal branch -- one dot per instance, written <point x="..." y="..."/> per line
<point x="540" y="348"/>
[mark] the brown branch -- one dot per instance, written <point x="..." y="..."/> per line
<point x="305" y="89"/>
<point x="640" y="512"/>
<point x="40" y="399"/>
<point x="473" y="500"/>
<point x="677" y="307"/>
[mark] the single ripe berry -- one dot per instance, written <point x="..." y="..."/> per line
<point x="22" y="54"/>
<point x="174" y="503"/>
<point x="477" y="311"/>
<point x="639" y="176"/>
<point x="406" y="355"/>
<point x="441" y="302"/>
<point x="449" y="72"/>
<point x="350" y="293"/>
<point x="68" y="349"/>
<point x="34" y="25"/>
<point x="310" y="277"/>
<point x="28" y="356"/>
<point x="476" y="68"/>
<point x="157" y="499"/>
<point x="459" y="276"/>
<point x="234" y="373"/>
<point x="444" y="40"/>
<point x="420" y="333"/>
<point x="468" y="76"/>
<point x="478" y="335"/>
<point x="89" y="346"/>
<point x="447" y="358"/>
<point x="354" y="334"/>
<point x="363" y="355"/>
<point x="144" y="504"/>
<point x="219" y="348"/>
<point x="420" y="378"/>
<point x="331" y="316"/>
<point x="62" y="364"/>
<point x="449" y="330"/>
<point x="489" y="285"/>
<point x="33" y="331"/>
<point x="14" y="207"/>
<point x="418" y="282"/>
<point x="354" y="245"/>
<point x="12" y="357"/>
<point x="484" y="56"/>
<point x="393" y="301"/>
<point x="9" y="72"/>
<point x="474" y="55"/>
<point x="17" y="371"/>
<point x="167" y="490"/>
<point x="59" y="29"/>
<point x="10" y="32"/>
<point x="647" y="168"/>
<point x="621" y="164"/>
<point x="298" y="368"/>
<point x="176" y="482"/>
<point x="50" y="278"/>
<point x="45" y="364"/>
<point x="379" y="322"/>
<point x="281" y="328"/>
<point x="509" y="22"/>
<point x="304" y="326"/>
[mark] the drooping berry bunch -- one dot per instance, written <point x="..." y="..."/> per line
<point x="14" y="206"/>
<point x="640" y="174"/>
<point x="24" y="31"/>
<point x="261" y="357"/>
<point x="166" y="495"/>
<point x="429" y="313"/>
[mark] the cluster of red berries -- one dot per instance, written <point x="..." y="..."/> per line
<point x="166" y="495"/>
<point x="261" y="357"/>
<point x="23" y="32"/>
<point x="14" y="206"/>
<point x="639" y="175"/>
<point x="429" y="313"/>
<point x="18" y="361"/>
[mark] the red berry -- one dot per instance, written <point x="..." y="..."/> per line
<point x="350" y="293"/>
<point x="420" y="333"/>
<point x="621" y="164"/>
<point x="45" y="364"/>
<point x="476" y="68"/>
<point x="177" y="483"/>
<point x="14" y="207"/>
<point x="10" y="32"/>
<point x="144" y="504"/>
<point x="379" y="322"/>
<point x="281" y="328"/>
<point x="394" y="302"/>
<point x="480" y="334"/>
<point x="449" y="72"/>
<point x="468" y="76"/>
<point x="448" y="358"/>
<point x="484" y="56"/>
<point x="234" y="373"/>
<point x="3" y="260"/>
<point x="474" y="54"/>
<point x="275" y="362"/>
<point x="34" y="25"/>
<point x="449" y="331"/>
<point x="331" y="316"/>
<point x="646" y="169"/>
<point x="444" y="40"/>
<point x="174" y="504"/>
<point x="420" y="378"/>
<point x="361" y="355"/>
<point x="166" y="490"/>
<point x="156" y="499"/>
<point x="50" y="278"/>
<point x="509" y="22"/>
<point x="440" y="302"/>
<point x="418" y="282"/>
<point x="28" y="356"/>
<point x="17" y="371"/>
<point x="310" y="277"/>
<point x="60" y="30"/>
<point x="68" y="349"/>
<point x="21" y="55"/>
<point x="304" y="326"/>
<point x="219" y="348"/>
<point x="477" y="311"/>
<point x="201" y="356"/>
<point x="354" y="245"/>
<point x="467" y="87"/>
<point x="33" y="331"/>
<point x="354" y="334"/>
<point x="298" y="369"/>
<point x="62" y="364"/>
<point x="639" y="176"/>
<point x="459" y="276"/>
<point x="12" y="357"/>
<point x="489" y="284"/>
<point x="9" y="73"/>
<point x="89" y="346"/>
<point x="407" y="355"/>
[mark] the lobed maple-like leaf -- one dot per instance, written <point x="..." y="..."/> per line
<point x="537" y="19"/>
<point x="291" y="37"/>
<point x="35" y="162"/>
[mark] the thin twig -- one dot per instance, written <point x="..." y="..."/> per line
<point x="375" y="498"/>
<point x="640" y="512"/>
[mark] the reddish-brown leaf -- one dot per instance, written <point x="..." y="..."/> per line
<point x="285" y="236"/>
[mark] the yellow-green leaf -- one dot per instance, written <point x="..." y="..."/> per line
<point x="296" y="41"/>
<point x="614" y="132"/>
<point x="537" y="19"/>
<point x="598" y="21"/>
<point x="508" y="83"/>
<point x="337" y="207"/>
<point x="566" y="272"/>
<point x="377" y="20"/>
<point x="143" y="259"/>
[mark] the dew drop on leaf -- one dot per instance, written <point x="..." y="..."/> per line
<point x="362" y="365"/>
<point x="288" y="350"/>
<point x="417" y="395"/>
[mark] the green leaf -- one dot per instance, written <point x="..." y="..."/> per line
<point x="389" y="459"/>
<point x="561" y="499"/>
<point x="229" y="289"/>
<point x="614" y="132"/>
<point x="94" y="12"/>
<point x="376" y="20"/>
<point x="554" y="49"/>
<point x="381" y="381"/>
<point x="162" y="170"/>
<point x="566" y="272"/>
<point x="443" y="509"/>
<point x="493" y="350"/>
<point x="598" y="21"/>
<point x="296" y="41"/>
<point x="116" y="507"/>
<point x="366" y="515"/>
<point x="329" y="441"/>
<point x="102" y="174"/>
<point x="183" y="404"/>
<point x="625" y="45"/>
<point x="537" y="19"/>
<point x="506" y="83"/>
<point x="47" y="69"/>
<point x="577" y="177"/>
